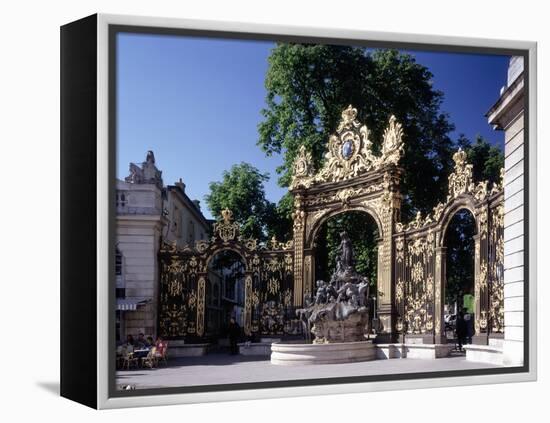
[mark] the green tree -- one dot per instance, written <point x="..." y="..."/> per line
<point x="363" y="233"/>
<point x="486" y="158"/>
<point x="242" y="191"/>
<point x="308" y="86"/>
<point x="459" y="240"/>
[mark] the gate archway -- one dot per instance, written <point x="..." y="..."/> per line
<point x="352" y="178"/>
<point x="420" y="265"/>
<point x="224" y="292"/>
<point x="268" y="283"/>
<point x="458" y="287"/>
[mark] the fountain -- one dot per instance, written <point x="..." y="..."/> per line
<point x="337" y="317"/>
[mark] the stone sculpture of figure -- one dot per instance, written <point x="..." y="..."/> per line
<point x="150" y="157"/>
<point x="363" y="289"/>
<point x="331" y="292"/>
<point x="346" y="252"/>
<point x="136" y="174"/>
<point x="321" y="295"/>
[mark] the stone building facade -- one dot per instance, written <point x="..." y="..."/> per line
<point x="508" y="115"/>
<point x="146" y="212"/>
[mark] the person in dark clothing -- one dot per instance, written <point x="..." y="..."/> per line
<point x="461" y="330"/>
<point x="130" y="341"/>
<point x="234" y="332"/>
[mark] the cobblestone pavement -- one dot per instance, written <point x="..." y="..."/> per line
<point x="222" y="369"/>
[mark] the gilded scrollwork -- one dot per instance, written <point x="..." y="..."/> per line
<point x="461" y="180"/>
<point x="349" y="153"/>
<point x="460" y="183"/>
<point x="392" y="147"/>
<point x="248" y="305"/>
<point x="399" y="290"/>
<point x="226" y="228"/>
<point x="201" y="296"/>
<point x="273" y="286"/>
<point x="302" y="169"/>
<point x="399" y="249"/>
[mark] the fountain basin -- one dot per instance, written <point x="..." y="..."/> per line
<point x="289" y="354"/>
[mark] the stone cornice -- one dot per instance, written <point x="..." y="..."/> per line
<point x="510" y="98"/>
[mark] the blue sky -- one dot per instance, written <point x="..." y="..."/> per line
<point x="196" y="103"/>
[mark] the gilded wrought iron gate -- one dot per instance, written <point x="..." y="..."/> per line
<point x="420" y="258"/>
<point x="268" y="284"/>
<point x="412" y="257"/>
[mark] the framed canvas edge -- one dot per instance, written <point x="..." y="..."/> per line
<point x="103" y="219"/>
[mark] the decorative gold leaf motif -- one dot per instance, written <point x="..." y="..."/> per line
<point x="226" y="229"/>
<point x="349" y="153"/>
<point x="273" y="286"/>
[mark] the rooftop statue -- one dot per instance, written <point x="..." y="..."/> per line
<point x="147" y="173"/>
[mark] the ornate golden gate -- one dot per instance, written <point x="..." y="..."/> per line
<point x="411" y="256"/>
<point x="420" y="258"/>
<point x="184" y="275"/>
<point x="353" y="178"/>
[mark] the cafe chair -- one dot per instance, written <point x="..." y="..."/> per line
<point x="128" y="359"/>
<point x="151" y="359"/>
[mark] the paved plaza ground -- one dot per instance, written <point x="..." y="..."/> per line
<point x="223" y="368"/>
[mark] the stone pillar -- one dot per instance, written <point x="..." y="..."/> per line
<point x="439" y="297"/>
<point x="508" y="115"/>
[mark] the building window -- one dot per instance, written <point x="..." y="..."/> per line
<point x="120" y="199"/>
<point x="120" y="288"/>
<point x="118" y="263"/>
<point x="191" y="236"/>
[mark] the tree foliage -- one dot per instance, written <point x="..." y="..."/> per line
<point x="363" y="233"/>
<point x="460" y="256"/>
<point x="308" y="86"/>
<point x="242" y="191"/>
<point x="487" y="159"/>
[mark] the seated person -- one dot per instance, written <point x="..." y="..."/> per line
<point x="149" y="342"/>
<point x="130" y="343"/>
<point x="160" y="346"/>
<point x="141" y="342"/>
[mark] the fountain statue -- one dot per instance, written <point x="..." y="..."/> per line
<point x="339" y="312"/>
